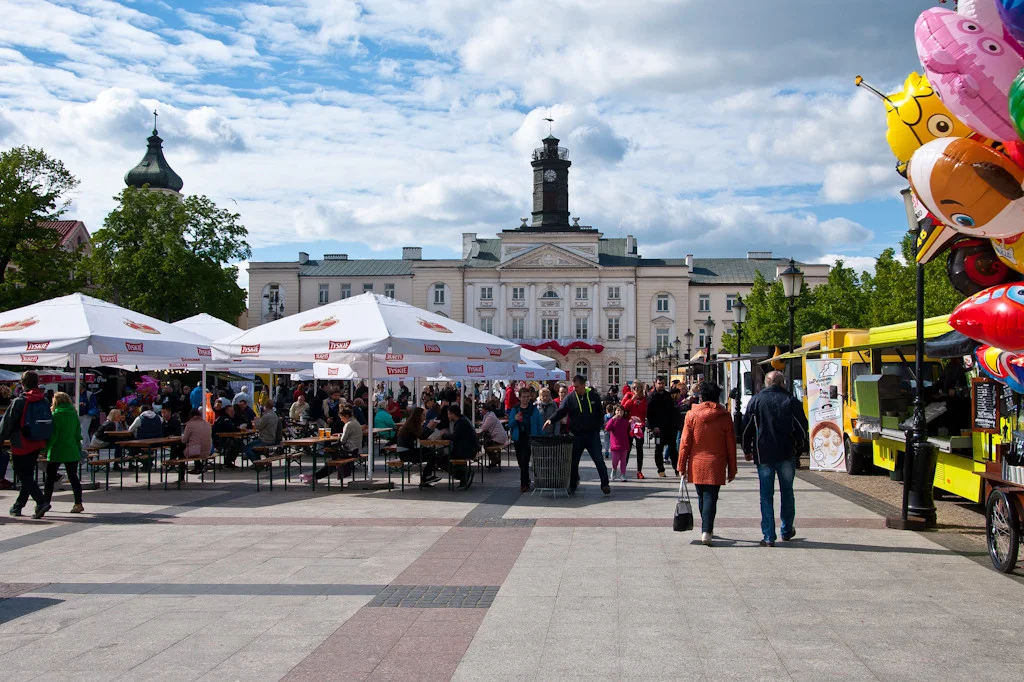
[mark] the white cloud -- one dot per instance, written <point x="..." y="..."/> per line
<point x="858" y="263"/>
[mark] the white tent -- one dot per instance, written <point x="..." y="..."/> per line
<point x="537" y="358"/>
<point x="208" y="326"/>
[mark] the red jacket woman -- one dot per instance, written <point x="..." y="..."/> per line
<point x="635" y="403"/>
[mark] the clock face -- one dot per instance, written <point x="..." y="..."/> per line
<point x="550" y="176"/>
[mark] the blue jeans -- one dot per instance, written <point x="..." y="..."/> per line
<point x="786" y="471"/>
<point x="707" y="502"/>
<point x="591" y="442"/>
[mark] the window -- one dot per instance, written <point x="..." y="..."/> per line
<point x="389" y="290"/>
<point x="518" y="330"/>
<point x="701" y="339"/>
<point x="367" y="287"/>
<point x="518" y="294"/>
<point x="346" y="291"/>
<point x="730" y="299"/>
<point x="487" y="325"/>
<point x="614" y="376"/>
<point x="273" y="295"/>
<point x="583" y="369"/>
<point x="613" y="329"/>
<point x="704" y="303"/>
<point x="582" y="327"/>
<point x="662" y="303"/>
<point x="439" y="294"/>
<point x="323" y="294"/>
<point x="486" y="294"/>
<point x="661" y="338"/>
<point x="550" y="293"/>
<point x="549" y="328"/>
<point x="613" y="293"/>
<point x="582" y="293"/>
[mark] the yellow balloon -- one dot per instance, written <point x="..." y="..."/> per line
<point x="1011" y="251"/>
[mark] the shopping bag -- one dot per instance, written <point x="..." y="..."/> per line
<point x="636" y="430"/>
<point x="683" y="518"/>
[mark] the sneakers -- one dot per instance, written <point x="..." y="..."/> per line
<point x="640" y="475"/>
<point x="606" y="490"/>
<point x="622" y="477"/>
<point x="77" y="509"/>
<point x="306" y="478"/>
<point x="41" y="511"/>
<point x="661" y="474"/>
<point x="767" y="543"/>
<point x="789" y="536"/>
<point x="15" y="510"/>
<point x="706" y="538"/>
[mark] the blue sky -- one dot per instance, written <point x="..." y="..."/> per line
<point x="335" y="126"/>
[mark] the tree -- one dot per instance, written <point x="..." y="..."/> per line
<point x="840" y="301"/>
<point x="34" y="266"/>
<point x="168" y="257"/>
<point x="768" y="315"/>
<point x="892" y="290"/>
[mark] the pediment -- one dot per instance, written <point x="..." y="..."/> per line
<point x="662" y="320"/>
<point x="546" y="257"/>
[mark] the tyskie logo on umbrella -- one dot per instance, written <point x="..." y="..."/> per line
<point x="140" y="327"/>
<point x="338" y="345"/>
<point x="204" y="352"/>
<point x="402" y="370"/>
<point x="474" y="369"/>
<point x="112" y="358"/>
<point x="319" y="325"/>
<point x="37" y="345"/>
<point x="134" y="347"/>
<point x="433" y="326"/>
<point x="321" y="356"/>
<point x="26" y="359"/>
<point x="494" y="352"/>
<point x="332" y="371"/>
<point x="18" y="325"/>
<point x="251" y="350"/>
<point x="431" y="348"/>
<point x="394" y="357"/>
<point x="529" y="375"/>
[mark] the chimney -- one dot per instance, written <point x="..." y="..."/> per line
<point x="335" y="256"/>
<point x="412" y="253"/>
<point x="759" y="255"/>
<point x="467" y="244"/>
<point x="630" y="245"/>
<point x="303" y="257"/>
<point x="689" y="261"/>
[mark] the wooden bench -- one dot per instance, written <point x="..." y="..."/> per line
<point x="95" y="462"/>
<point x="140" y="458"/>
<point x="267" y="463"/>
<point x="492" y="451"/>
<point x="344" y="461"/>
<point x="182" y="462"/>
<point x="452" y="463"/>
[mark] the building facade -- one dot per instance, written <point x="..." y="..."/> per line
<point x="592" y="303"/>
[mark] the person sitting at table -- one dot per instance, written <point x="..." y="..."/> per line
<point x="394" y="409"/>
<point x="349" y="445"/>
<point x="115" y="422"/>
<point x="244" y="415"/>
<point x="241" y="396"/>
<point x="170" y="427"/>
<point x="492" y="433"/>
<point x="496" y="407"/>
<point x="430" y="410"/>
<point x="147" y="424"/>
<point x="332" y="404"/>
<point x="229" y="447"/>
<point x="299" y="411"/>
<point x="382" y="419"/>
<point x="266" y="431"/>
<point x="359" y="411"/>
<point x="463" y="446"/>
<point x="413" y="430"/>
<point x="197" y="439"/>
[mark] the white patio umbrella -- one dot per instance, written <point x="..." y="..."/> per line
<point x="537" y="358"/>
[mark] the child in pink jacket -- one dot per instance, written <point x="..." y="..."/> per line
<point x="618" y="431"/>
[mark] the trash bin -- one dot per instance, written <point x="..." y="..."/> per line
<point x="552" y="463"/>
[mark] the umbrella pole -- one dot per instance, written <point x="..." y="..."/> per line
<point x="202" y="392"/>
<point x="369" y="483"/>
<point x="78" y="387"/>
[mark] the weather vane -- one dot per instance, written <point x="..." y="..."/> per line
<point x="154" y="121"/>
<point x="550" y="121"/>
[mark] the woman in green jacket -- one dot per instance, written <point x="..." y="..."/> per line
<point x="63" y="447"/>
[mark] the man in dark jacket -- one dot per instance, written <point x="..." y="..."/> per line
<point x="316" y="398"/>
<point x="663" y="419"/>
<point x="586" y="419"/>
<point x="773" y="417"/>
<point x="464" y="444"/>
<point x="229" y="447"/>
<point x="24" y="452"/>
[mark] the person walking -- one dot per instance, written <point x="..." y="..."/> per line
<point x="635" y="403"/>
<point x="524" y="420"/>
<point x="617" y="429"/>
<point x="586" y="414"/>
<point x="63" y="447"/>
<point x="772" y="417"/>
<point x="662" y="419"/>
<point x="707" y="454"/>
<point x="27" y="416"/>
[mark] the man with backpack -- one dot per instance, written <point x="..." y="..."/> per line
<point x="28" y="424"/>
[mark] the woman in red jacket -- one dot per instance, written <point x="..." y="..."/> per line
<point x="635" y="404"/>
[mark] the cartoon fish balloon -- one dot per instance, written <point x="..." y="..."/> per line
<point x="994" y="317"/>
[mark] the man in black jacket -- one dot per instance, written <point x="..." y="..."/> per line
<point x="663" y="419"/>
<point x="586" y="419"/>
<point x="464" y="444"/>
<point x="773" y="418"/>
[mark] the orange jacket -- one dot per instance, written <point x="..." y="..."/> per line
<point x="707" y="448"/>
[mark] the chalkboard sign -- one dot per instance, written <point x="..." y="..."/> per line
<point x="985" y="405"/>
<point x="1009" y="402"/>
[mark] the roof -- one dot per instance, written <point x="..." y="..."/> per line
<point x="154" y="170"/>
<point x="734" y="270"/>
<point x="64" y="227"/>
<point x="356" y="268"/>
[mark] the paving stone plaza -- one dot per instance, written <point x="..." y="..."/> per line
<point x="218" y="582"/>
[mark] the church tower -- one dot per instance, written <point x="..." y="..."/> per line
<point x="154" y="170"/>
<point x="551" y="186"/>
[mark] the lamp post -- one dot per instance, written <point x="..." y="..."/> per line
<point x="709" y="333"/>
<point x="792" y="281"/>
<point x="739" y="315"/>
<point x="689" y="340"/>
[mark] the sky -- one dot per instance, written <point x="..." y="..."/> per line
<point x="359" y="127"/>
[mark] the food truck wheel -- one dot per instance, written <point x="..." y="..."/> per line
<point x="1002" y="530"/>
<point x="857" y="462"/>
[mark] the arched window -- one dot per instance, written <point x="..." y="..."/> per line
<point x="273" y="301"/>
<point x="550" y="293"/>
<point x="583" y="369"/>
<point x="614" y="374"/>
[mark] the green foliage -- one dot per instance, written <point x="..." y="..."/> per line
<point x="167" y="256"/>
<point x="33" y="265"/>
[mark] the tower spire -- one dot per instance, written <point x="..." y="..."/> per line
<point x="154" y="121"/>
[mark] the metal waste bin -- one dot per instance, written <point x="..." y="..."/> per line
<point x="552" y="463"/>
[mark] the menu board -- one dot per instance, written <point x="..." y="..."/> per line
<point x="985" y="405"/>
<point x="1009" y="402"/>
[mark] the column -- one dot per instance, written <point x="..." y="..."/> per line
<point x="631" y="311"/>
<point x="469" y="307"/>
<point x="501" y="328"/>
<point x="595" y="311"/>
<point x="566" y="331"/>
<point x="531" y="331"/>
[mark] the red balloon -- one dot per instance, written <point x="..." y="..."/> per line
<point x="994" y="316"/>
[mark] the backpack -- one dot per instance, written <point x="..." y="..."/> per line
<point x="36" y="424"/>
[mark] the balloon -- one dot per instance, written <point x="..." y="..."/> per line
<point x="1011" y="12"/>
<point x="933" y="239"/>
<point x="1002" y="366"/>
<point x="983" y="11"/>
<point x="1015" y="103"/>
<point x="1010" y="251"/>
<point x="971" y="68"/>
<point x="972" y="265"/>
<point x="915" y="115"/>
<point x="994" y="316"/>
<point x="973" y="189"/>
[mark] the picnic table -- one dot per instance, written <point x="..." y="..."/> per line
<point x="149" y="445"/>
<point x="310" y="446"/>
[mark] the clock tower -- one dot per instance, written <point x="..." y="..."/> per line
<point x="551" y="186"/>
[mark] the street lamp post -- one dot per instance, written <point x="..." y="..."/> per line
<point x="709" y="332"/>
<point x="792" y="281"/>
<point x="739" y="313"/>
<point x="689" y="340"/>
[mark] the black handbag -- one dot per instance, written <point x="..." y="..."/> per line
<point x="683" y="519"/>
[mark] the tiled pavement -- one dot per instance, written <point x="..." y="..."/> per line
<point x="218" y="582"/>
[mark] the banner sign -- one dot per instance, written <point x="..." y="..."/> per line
<point x="825" y="414"/>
